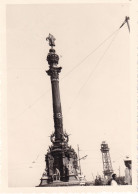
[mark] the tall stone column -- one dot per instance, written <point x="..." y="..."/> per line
<point x="53" y="72"/>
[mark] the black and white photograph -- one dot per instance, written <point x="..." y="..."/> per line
<point x="69" y="96"/>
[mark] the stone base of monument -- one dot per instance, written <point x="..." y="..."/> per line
<point x="73" y="181"/>
<point x="60" y="184"/>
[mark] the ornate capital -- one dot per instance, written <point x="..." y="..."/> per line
<point x="54" y="73"/>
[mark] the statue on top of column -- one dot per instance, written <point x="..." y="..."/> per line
<point x="51" y="40"/>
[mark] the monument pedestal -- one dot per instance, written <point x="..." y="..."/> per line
<point x="61" y="166"/>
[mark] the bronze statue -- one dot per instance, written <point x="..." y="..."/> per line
<point x="51" y="40"/>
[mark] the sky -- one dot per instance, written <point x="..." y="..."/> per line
<point x="94" y="85"/>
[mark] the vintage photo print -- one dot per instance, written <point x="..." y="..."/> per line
<point x="69" y="83"/>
